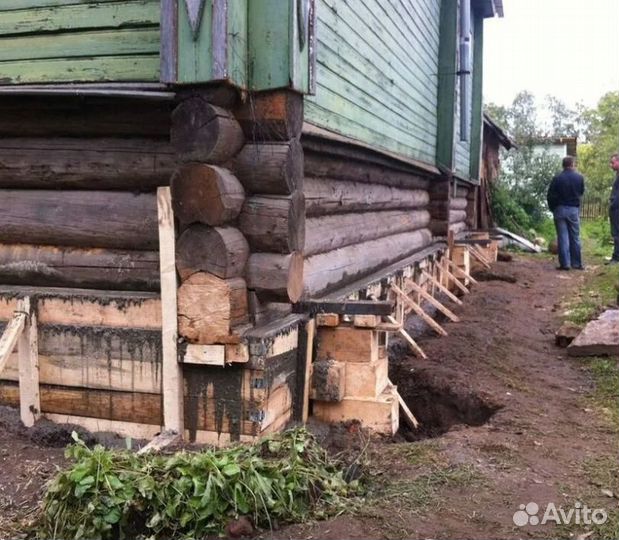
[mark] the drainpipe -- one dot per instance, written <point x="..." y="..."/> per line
<point x="465" y="69"/>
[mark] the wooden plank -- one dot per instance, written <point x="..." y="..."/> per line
<point x="344" y="307"/>
<point x="479" y="256"/>
<point x="457" y="282"/>
<point x="96" y="357"/>
<point x="40" y="18"/>
<point x="419" y="310"/>
<point x="207" y="355"/>
<point x="97" y="43"/>
<point x="444" y="290"/>
<point x="409" y="417"/>
<point x="160" y="442"/>
<point x="447" y="68"/>
<point x="457" y="270"/>
<point x="85" y="307"/>
<point x="65" y="70"/>
<point x="310" y="329"/>
<point x="172" y="376"/>
<point x="10" y="336"/>
<point x="28" y="351"/>
<point x="413" y="344"/>
<point x="327" y="319"/>
<point x="169" y="41"/>
<point x="447" y="312"/>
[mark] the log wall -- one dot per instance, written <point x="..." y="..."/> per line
<point x="363" y="212"/>
<point x="77" y="191"/>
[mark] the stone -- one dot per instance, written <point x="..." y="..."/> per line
<point x="567" y="333"/>
<point x="599" y="337"/>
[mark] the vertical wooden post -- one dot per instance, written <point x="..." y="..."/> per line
<point x="28" y="354"/>
<point x="172" y="375"/>
<point x="310" y="329"/>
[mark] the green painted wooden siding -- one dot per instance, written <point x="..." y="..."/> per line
<point x="47" y="41"/>
<point x="276" y="59"/>
<point x="376" y="77"/>
<point x="476" y="119"/>
<point x="197" y="57"/>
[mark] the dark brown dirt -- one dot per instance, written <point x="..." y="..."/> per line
<point x="508" y="405"/>
<point x="508" y="410"/>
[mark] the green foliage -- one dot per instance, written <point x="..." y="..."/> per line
<point x="527" y="171"/>
<point x="112" y="494"/>
<point x="507" y="212"/>
<point x="603" y="141"/>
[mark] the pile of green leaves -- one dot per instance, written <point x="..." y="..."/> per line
<point x="118" y="494"/>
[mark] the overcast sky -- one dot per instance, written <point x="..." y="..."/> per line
<point x="566" y="48"/>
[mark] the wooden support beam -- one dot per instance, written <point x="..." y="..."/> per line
<point x="327" y="319"/>
<point x="310" y="329"/>
<point x="344" y="307"/>
<point x="479" y="256"/>
<point x="447" y="312"/>
<point x="416" y="348"/>
<point x="458" y="271"/>
<point x="11" y="335"/>
<point x="172" y="375"/>
<point x="409" y="417"/>
<point x="28" y="354"/>
<point x="161" y="441"/>
<point x="444" y="290"/>
<point x="419" y="311"/>
<point x="457" y="282"/>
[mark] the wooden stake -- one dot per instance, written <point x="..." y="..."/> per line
<point x="457" y="282"/>
<point x="28" y="353"/>
<point x="310" y="329"/>
<point x="479" y="256"/>
<point x="409" y="417"/>
<point x="172" y="375"/>
<point x="416" y="348"/>
<point x="457" y="270"/>
<point x="9" y="338"/>
<point x="447" y="292"/>
<point x="434" y="301"/>
<point x="419" y="310"/>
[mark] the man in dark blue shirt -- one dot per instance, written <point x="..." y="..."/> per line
<point x="564" y="194"/>
<point x="613" y="209"/>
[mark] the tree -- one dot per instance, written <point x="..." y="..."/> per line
<point x="603" y="141"/>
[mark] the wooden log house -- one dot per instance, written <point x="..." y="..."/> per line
<point x="177" y="175"/>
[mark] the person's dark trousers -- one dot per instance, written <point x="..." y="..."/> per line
<point x="567" y="223"/>
<point x="614" y="231"/>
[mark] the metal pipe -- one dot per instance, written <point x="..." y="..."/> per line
<point x="465" y="69"/>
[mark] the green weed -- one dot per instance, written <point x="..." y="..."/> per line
<point x="113" y="494"/>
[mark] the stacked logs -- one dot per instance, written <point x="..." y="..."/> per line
<point x="211" y="252"/>
<point x="270" y="167"/>
<point x="77" y="181"/>
<point x="361" y="214"/>
<point x="451" y="207"/>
